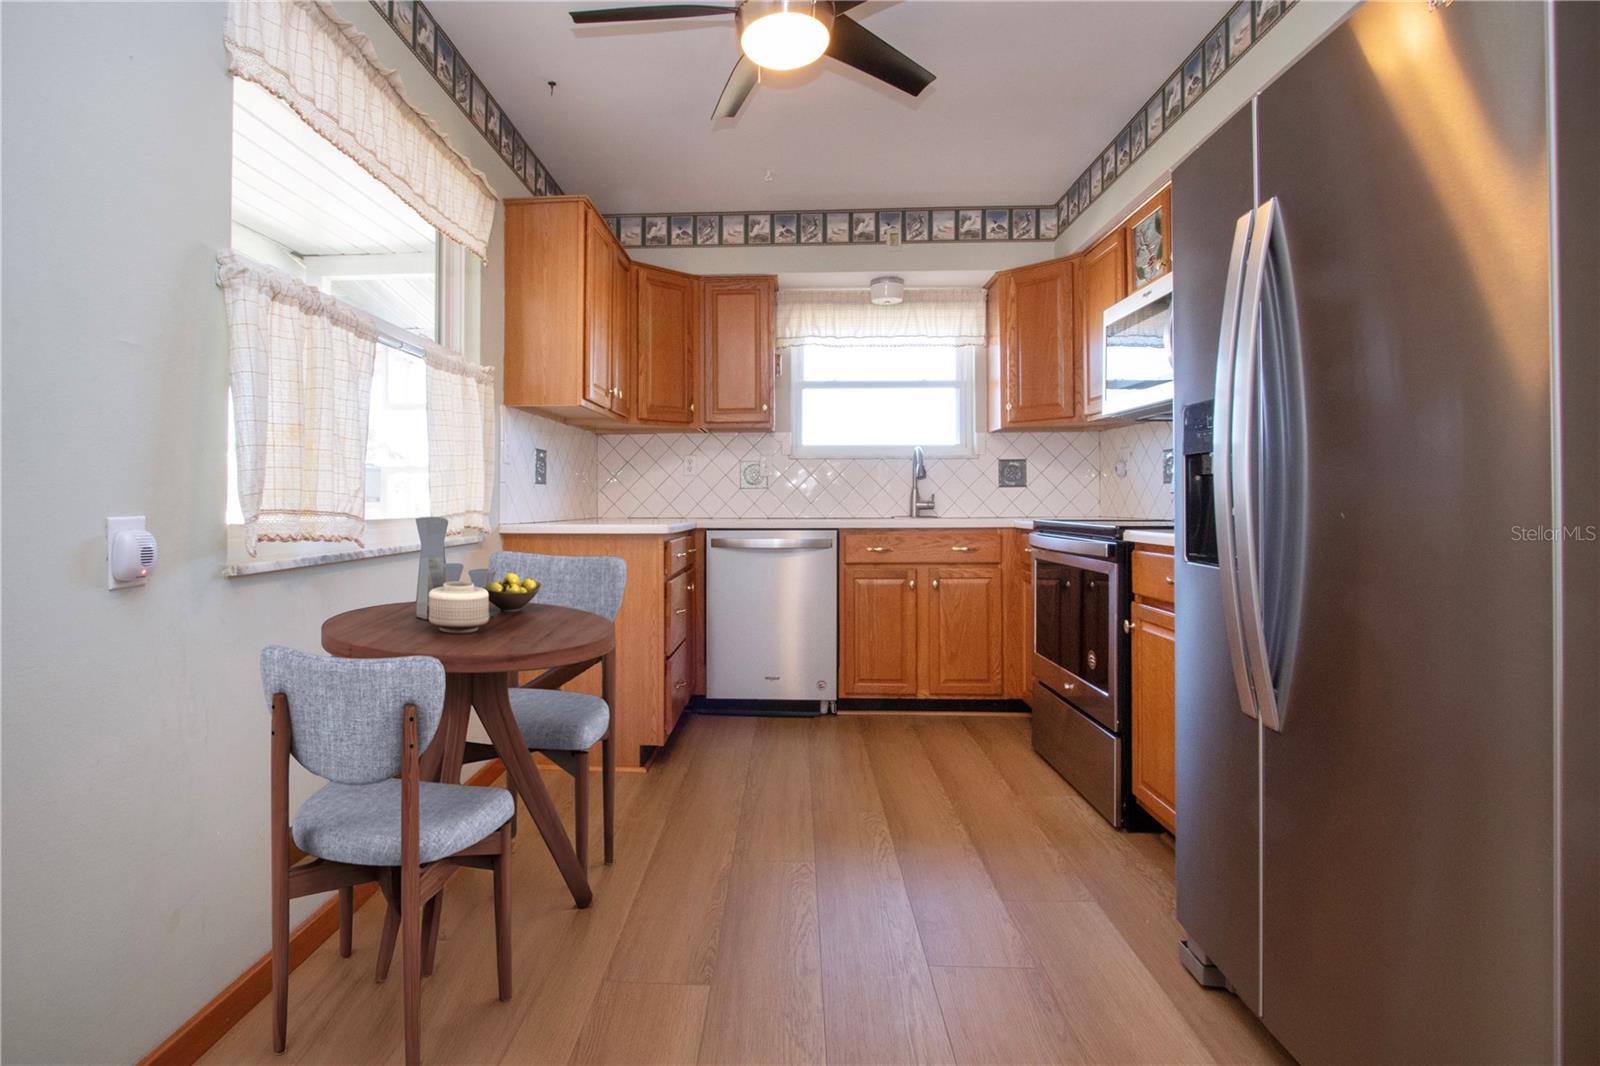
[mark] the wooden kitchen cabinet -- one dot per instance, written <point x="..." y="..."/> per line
<point x="1104" y="281"/>
<point x="667" y="310"/>
<point x="878" y="630"/>
<point x="1033" y="346"/>
<point x="922" y="614"/>
<point x="1149" y="240"/>
<point x="1154" y="685"/>
<point x="1018" y="570"/>
<point x="739" y="350"/>
<point x="963" y="627"/>
<point x="569" y="312"/>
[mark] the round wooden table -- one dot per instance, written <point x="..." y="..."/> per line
<point x="480" y="670"/>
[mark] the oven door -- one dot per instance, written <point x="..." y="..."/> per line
<point x="1076" y="600"/>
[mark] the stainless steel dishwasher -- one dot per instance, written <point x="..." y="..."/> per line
<point x="772" y="615"/>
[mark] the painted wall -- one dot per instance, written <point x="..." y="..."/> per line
<point x="842" y="258"/>
<point x="135" y="739"/>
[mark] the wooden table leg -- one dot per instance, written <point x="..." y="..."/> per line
<point x="491" y="696"/>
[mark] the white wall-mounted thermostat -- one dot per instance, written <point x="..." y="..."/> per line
<point x="130" y="552"/>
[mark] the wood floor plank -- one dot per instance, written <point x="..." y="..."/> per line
<point x="960" y="916"/>
<point x="643" y="1023"/>
<point x="877" y="992"/>
<point x="841" y="768"/>
<point x="1130" y="877"/>
<point x="671" y="932"/>
<point x="775" y="824"/>
<point x="1115" y="1009"/>
<point x="1003" y="1016"/>
<point x="766" y="998"/>
<point x="1022" y="863"/>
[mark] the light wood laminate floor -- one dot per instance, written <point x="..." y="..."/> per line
<point x="859" y="889"/>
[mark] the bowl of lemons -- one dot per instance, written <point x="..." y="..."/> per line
<point x="512" y="592"/>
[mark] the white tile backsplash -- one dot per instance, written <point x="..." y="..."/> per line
<point x="697" y="475"/>
<point x="569" y="489"/>
<point x="1130" y="471"/>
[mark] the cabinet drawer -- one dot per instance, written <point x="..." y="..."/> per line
<point x="1152" y="575"/>
<point x="679" y="605"/>
<point x="900" y="546"/>
<point x="678" y="553"/>
<point x="677" y="688"/>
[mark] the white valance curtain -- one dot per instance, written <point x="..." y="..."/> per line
<point x="461" y="441"/>
<point x="301" y="369"/>
<point x="844" y="318"/>
<point x="328" y="72"/>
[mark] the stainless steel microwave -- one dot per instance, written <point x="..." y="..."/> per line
<point x="1138" y="354"/>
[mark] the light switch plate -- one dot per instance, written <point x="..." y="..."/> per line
<point x="1166" y="466"/>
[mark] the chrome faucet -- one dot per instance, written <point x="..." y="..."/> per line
<point x="919" y="471"/>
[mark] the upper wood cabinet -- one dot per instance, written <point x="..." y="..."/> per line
<point x="569" y="311"/>
<point x="1149" y="240"/>
<point x="737" y="325"/>
<point x="1104" y="282"/>
<point x="1033" y="346"/>
<point x="665" y="303"/>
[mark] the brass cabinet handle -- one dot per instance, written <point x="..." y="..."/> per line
<point x="911" y="583"/>
<point x="1127" y="625"/>
<point x="691" y="408"/>
<point x="763" y="407"/>
<point x="691" y="551"/>
<point x="877" y="548"/>
<point x="691" y="587"/>
<point x="679" y="686"/>
<point x="1028" y="550"/>
<point x="1008" y="407"/>
<point x="936" y="584"/>
<point x="962" y="548"/>
<point x="680" y="555"/>
<point x="681" y="610"/>
<point x="1168" y="579"/>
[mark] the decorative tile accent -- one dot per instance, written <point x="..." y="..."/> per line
<point x="918" y="225"/>
<point x="1223" y="46"/>
<point x="416" y="26"/>
<point x="1138" y="490"/>
<point x="567" y="454"/>
<point x="1013" y="474"/>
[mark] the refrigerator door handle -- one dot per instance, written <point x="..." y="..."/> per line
<point x="1268" y="254"/>
<point x="1225" y="402"/>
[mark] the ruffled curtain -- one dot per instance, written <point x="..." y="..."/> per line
<point x="320" y="65"/>
<point x="841" y="318"/>
<point x="461" y="440"/>
<point x="301" y="369"/>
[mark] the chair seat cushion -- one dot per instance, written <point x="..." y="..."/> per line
<point x="554" y="720"/>
<point x="361" y="823"/>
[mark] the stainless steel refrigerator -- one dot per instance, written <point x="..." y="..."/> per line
<point x="1385" y="399"/>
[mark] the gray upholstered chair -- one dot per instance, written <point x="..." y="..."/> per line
<point x="562" y="725"/>
<point x="362" y="725"/>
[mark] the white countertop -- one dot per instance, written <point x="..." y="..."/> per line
<point x="1163" y="537"/>
<point x="683" y="525"/>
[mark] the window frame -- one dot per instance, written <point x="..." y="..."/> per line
<point x="965" y="383"/>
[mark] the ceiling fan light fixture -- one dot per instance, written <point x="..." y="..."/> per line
<point x="782" y="34"/>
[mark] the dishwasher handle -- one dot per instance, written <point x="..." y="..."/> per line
<point x="773" y="544"/>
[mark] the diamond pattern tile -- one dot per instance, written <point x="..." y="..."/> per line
<point x="1139" y="492"/>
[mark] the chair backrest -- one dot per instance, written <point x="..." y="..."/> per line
<point x="348" y="715"/>
<point x="592" y="583"/>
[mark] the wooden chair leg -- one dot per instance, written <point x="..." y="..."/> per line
<point x="580" y="808"/>
<point x="280" y="956"/>
<point x="432" y="917"/>
<point x="391" y="925"/>
<point x="411" y="965"/>
<point x="608" y="789"/>
<point x="502" y="912"/>
<point x="347" y="911"/>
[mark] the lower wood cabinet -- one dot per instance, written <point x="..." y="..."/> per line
<point x="922" y="628"/>
<point x="1154" y="671"/>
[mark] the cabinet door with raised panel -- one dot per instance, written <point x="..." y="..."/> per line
<point x="622" y="333"/>
<point x="963" y="631"/>
<point x="878" y="631"/>
<point x="664" y="303"/>
<point x="1041" y="347"/>
<point x="1154" y="652"/>
<point x="738" y="326"/>
<point x="1104" y="280"/>
<point x="599" y="279"/>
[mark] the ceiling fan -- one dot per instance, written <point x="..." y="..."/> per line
<point x="785" y="35"/>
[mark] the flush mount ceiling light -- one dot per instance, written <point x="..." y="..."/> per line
<point x="783" y="34"/>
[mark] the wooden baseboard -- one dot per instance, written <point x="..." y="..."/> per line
<point x="196" y="1036"/>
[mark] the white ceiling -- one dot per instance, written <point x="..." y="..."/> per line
<point x="1027" y="93"/>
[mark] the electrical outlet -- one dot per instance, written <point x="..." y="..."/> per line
<point x="692" y="465"/>
<point x="1166" y="466"/>
<point x="541" y="466"/>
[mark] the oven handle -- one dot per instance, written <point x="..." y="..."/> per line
<point x="1061" y="547"/>
<point x="1224" y="402"/>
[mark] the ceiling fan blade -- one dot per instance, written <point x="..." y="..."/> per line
<point x="740" y="82"/>
<point x="857" y="46"/>
<point x="650" y="12"/>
